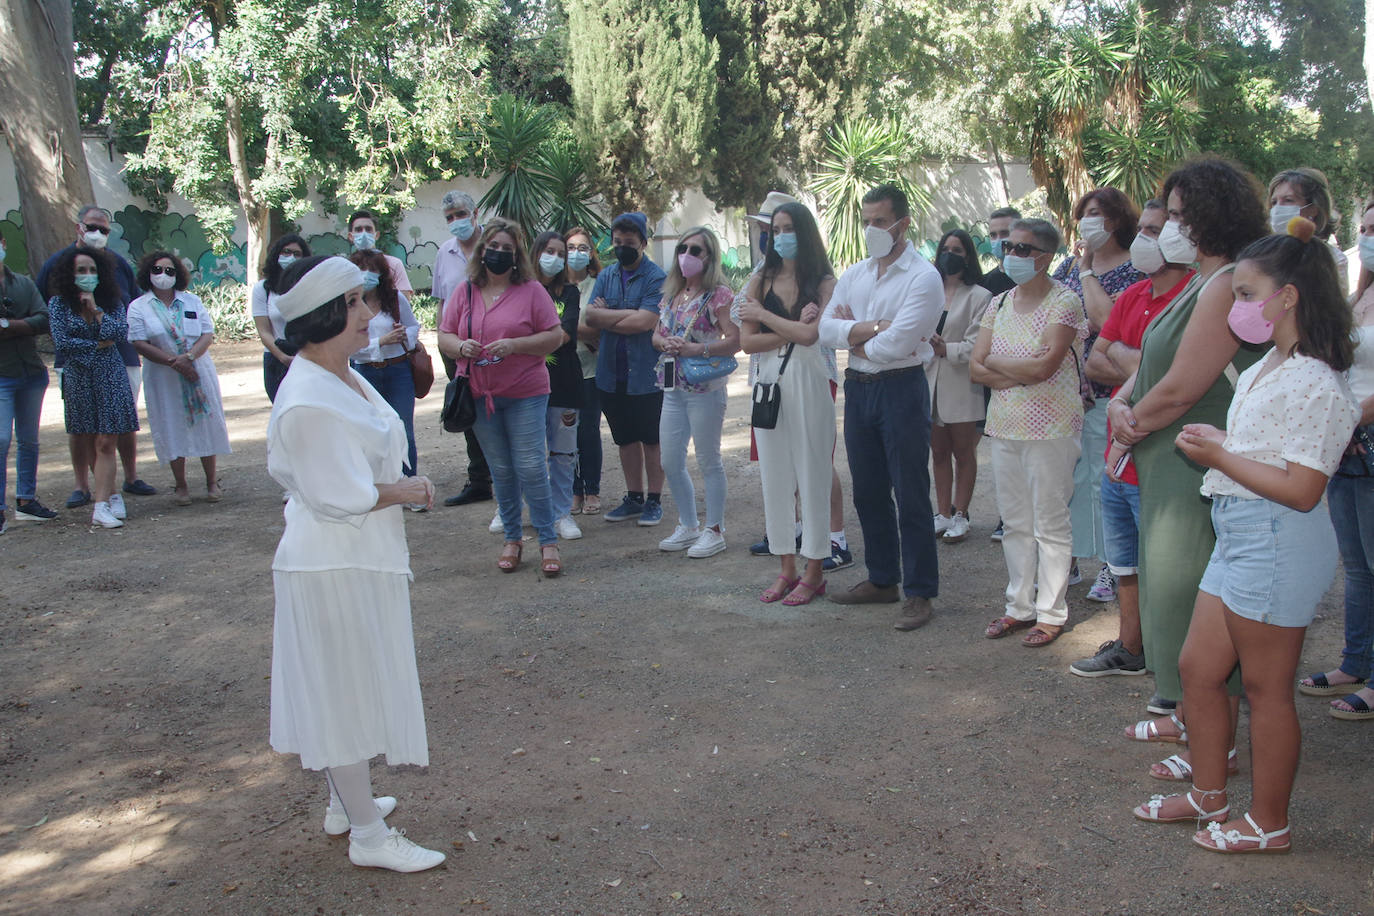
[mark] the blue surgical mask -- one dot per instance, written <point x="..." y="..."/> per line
<point x="1019" y="269"/>
<point x="286" y="260"/>
<point x="578" y="260"/>
<point x="87" y="282"/>
<point x="364" y="240"/>
<point x="997" y="250"/>
<point x="370" y="279"/>
<point x="551" y="264"/>
<point x="785" y="244"/>
<point x="462" y="229"/>
<point x="2" y="253"/>
<point x="1367" y="251"/>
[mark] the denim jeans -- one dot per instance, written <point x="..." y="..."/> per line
<point x="395" y="384"/>
<point x="587" y="479"/>
<point x="517" y="449"/>
<point x="1351" y="502"/>
<point x="698" y="416"/>
<point x="21" y="402"/>
<point x="887" y="436"/>
<point x="562" y="457"/>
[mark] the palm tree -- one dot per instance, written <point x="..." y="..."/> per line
<point x="516" y="132"/>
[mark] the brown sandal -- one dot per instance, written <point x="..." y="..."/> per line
<point x="1004" y="625"/>
<point x="553" y="565"/>
<point x="510" y="556"/>
<point x="1041" y="635"/>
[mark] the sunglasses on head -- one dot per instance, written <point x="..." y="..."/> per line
<point x="695" y="251"/>
<point x="156" y="269"/>
<point x="1022" y="249"/>
<point x="103" y="230"/>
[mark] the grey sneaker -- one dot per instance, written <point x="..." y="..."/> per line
<point x="1111" y="658"/>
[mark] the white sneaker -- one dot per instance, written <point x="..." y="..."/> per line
<point x="567" y="529"/>
<point x="941" y="524"/>
<point x="117" y="507"/>
<point x="681" y="538"/>
<point x="102" y="516"/>
<point x="709" y="544"/>
<point x="336" y="822"/>
<point x="958" y="529"/>
<point x="496" y="527"/>
<point x="396" y="853"/>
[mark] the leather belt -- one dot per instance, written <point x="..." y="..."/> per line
<point x="854" y="375"/>
<point x="388" y="362"/>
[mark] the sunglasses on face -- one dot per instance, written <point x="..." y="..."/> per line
<point x="103" y="230"/>
<point x="1022" y="249"/>
<point x="169" y="271"/>
<point x="695" y="251"/>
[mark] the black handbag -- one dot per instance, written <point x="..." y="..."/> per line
<point x="460" y="407"/>
<point x="768" y="398"/>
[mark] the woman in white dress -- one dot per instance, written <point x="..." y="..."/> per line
<point x="172" y="330"/>
<point x="344" y="683"/>
<point x="779" y="321"/>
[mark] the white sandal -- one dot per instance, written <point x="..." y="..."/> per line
<point x="1148" y="730"/>
<point x="1150" y="810"/>
<point x="1182" y="770"/>
<point x="1215" y="839"/>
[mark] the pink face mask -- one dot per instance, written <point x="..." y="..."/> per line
<point x="1247" y="321"/>
<point x="690" y="265"/>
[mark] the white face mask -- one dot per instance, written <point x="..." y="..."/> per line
<point x="1146" y="256"/>
<point x="95" y="239"/>
<point x="1175" y="246"/>
<point x="162" y="281"/>
<point x="878" y="241"/>
<point x="1093" y="229"/>
<point x="1019" y="269"/>
<point x="551" y="264"/>
<point x="1367" y="251"/>
<point x="364" y="241"/>
<point x="1280" y="214"/>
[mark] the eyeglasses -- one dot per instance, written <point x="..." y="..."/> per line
<point x="585" y="249"/>
<point x="103" y="230"/>
<point x="695" y="251"/>
<point x="169" y="271"/>
<point x="1021" y="249"/>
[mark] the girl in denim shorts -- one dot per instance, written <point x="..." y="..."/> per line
<point x="1287" y="427"/>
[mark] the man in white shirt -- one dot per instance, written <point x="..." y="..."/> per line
<point x="884" y="311"/>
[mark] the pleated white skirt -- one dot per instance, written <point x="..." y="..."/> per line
<point x="344" y="683"/>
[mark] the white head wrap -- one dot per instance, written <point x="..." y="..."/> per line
<point x="327" y="280"/>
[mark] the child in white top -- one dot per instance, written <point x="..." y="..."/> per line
<point x="1287" y="428"/>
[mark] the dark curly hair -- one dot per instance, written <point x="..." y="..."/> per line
<point x="322" y="323"/>
<point x="1223" y="204"/>
<point x="272" y="271"/>
<point x="373" y="260"/>
<point x="973" y="271"/>
<point x="1116" y="207"/>
<point x="62" y="279"/>
<point x="145" y="267"/>
<point x="1300" y="259"/>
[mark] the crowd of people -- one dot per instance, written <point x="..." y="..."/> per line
<point x="1174" y="398"/>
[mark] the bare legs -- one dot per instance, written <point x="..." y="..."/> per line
<point x="642" y="467"/>
<point x="183" y="489"/>
<point x="954" y="458"/>
<point x="102" y="449"/>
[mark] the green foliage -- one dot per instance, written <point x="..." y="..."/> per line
<point x="570" y="191"/>
<point x="228" y="305"/>
<point x="516" y="132"/>
<point x="426" y="309"/>
<point x="861" y="153"/>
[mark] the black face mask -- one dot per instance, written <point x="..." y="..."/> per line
<point x="951" y="264"/>
<point x="498" y="262"/>
<point x="626" y="255"/>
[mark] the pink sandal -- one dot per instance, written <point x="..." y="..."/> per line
<point x="774" y="593"/>
<point x="802" y="593"/>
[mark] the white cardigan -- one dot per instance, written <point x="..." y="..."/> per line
<point x="329" y="449"/>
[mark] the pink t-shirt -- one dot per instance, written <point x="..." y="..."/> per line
<point x="518" y="312"/>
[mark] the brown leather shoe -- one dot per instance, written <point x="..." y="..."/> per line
<point x="916" y="613"/>
<point x="866" y="593"/>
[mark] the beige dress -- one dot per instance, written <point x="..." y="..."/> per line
<point x="953" y="397"/>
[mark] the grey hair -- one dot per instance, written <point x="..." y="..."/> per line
<point x="89" y="209"/>
<point x="1046" y="236"/>
<point x="454" y="200"/>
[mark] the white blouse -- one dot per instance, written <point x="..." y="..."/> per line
<point x="380" y="325"/>
<point x="1301" y="411"/>
<point x="329" y="449"/>
<point x="264" y="305"/>
<point x="1361" y="373"/>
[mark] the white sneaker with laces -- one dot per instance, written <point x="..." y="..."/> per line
<point x="567" y="529"/>
<point x="709" y="544"/>
<point x="958" y="529"/>
<point x="396" y="853"/>
<point x="102" y="516"/>
<point x="496" y="527"/>
<point x="941" y="524"/>
<point x="681" y="538"/>
<point x="336" y="822"/>
<point x="117" y="507"/>
<point x="1104" y="589"/>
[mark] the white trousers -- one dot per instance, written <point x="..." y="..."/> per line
<point x="1034" y="485"/>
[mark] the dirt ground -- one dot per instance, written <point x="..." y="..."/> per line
<point x="639" y="736"/>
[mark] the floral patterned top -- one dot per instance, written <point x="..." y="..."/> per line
<point x="1114" y="282"/>
<point x="1051" y="409"/>
<point x="697" y="320"/>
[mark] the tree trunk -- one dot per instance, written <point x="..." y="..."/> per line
<point x="41" y="123"/>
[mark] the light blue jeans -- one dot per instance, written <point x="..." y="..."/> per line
<point x="562" y="435"/>
<point x="517" y="449"/>
<point x="695" y="416"/>
<point x="21" y="402"/>
<point x="1350" y="499"/>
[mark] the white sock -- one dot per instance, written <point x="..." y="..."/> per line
<point x="838" y="538"/>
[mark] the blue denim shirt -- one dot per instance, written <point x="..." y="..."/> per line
<point x="643" y="291"/>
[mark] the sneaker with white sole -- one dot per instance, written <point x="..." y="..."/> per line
<point x="958" y="529"/>
<point x="336" y="822"/>
<point x="941" y="524"/>
<point x="1111" y="658"/>
<point x="31" y="510"/>
<point x="840" y="558"/>
<point x="997" y="532"/>
<point x="496" y="526"/>
<point x="1104" y="589"/>
<point x="709" y="544"/>
<point x="651" y="514"/>
<point x="567" y="529"/>
<point x="396" y="853"/>
<point x="102" y="516"/>
<point x="117" y="508"/>
<point x="1075" y="576"/>
<point x="681" y="538"/>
